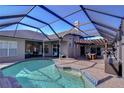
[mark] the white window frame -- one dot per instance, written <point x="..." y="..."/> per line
<point x="8" y="45"/>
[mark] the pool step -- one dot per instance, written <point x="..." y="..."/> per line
<point x="51" y="71"/>
<point x="23" y="73"/>
<point x="96" y="76"/>
<point x="46" y="73"/>
<point x="91" y="78"/>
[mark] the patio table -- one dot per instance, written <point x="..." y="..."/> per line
<point x="91" y="56"/>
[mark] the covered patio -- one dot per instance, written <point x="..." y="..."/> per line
<point x="92" y="49"/>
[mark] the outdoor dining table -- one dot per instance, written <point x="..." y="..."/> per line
<point x="91" y="56"/>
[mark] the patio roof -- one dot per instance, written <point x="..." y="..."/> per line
<point x="95" y="42"/>
<point x="94" y="20"/>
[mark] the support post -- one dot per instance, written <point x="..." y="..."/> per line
<point x="43" y="50"/>
<point x="119" y="51"/>
<point x="106" y="50"/>
<point x="59" y="49"/>
<point x="122" y="46"/>
<point x="15" y="30"/>
<point x="123" y="56"/>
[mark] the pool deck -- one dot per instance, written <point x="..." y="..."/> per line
<point x="5" y="64"/>
<point x="95" y="67"/>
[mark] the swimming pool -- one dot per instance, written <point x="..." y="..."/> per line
<point x="44" y="74"/>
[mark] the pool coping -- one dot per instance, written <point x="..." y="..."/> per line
<point x="20" y="61"/>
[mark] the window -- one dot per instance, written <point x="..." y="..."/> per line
<point x="46" y="49"/>
<point x="56" y="50"/>
<point x="12" y="48"/>
<point x="3" y="48"/>
<point x="8" y="48"/>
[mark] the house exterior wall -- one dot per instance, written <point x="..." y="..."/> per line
<point x="73" y="49"/>
<point x="64" y="48"/>
<point x="20" y="50"/>
<point x="67" y="47"/>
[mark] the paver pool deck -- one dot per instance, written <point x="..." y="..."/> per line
<point x="95" y="67"/>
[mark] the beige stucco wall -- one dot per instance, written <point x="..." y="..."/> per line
<point x="73" y="50"/>
<point x="64" y="48"/>
<point x="76" y="48"/>
<point x="20" y="50"/>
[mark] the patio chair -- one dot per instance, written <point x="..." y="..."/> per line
<point x="62" y="55"/>
<point x="88" y="55"/>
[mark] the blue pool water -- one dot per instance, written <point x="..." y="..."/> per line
<point x="43" y="74"/>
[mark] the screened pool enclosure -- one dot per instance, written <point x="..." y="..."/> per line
<point x="84" y="34"/>
<point x="95" y="21"/>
